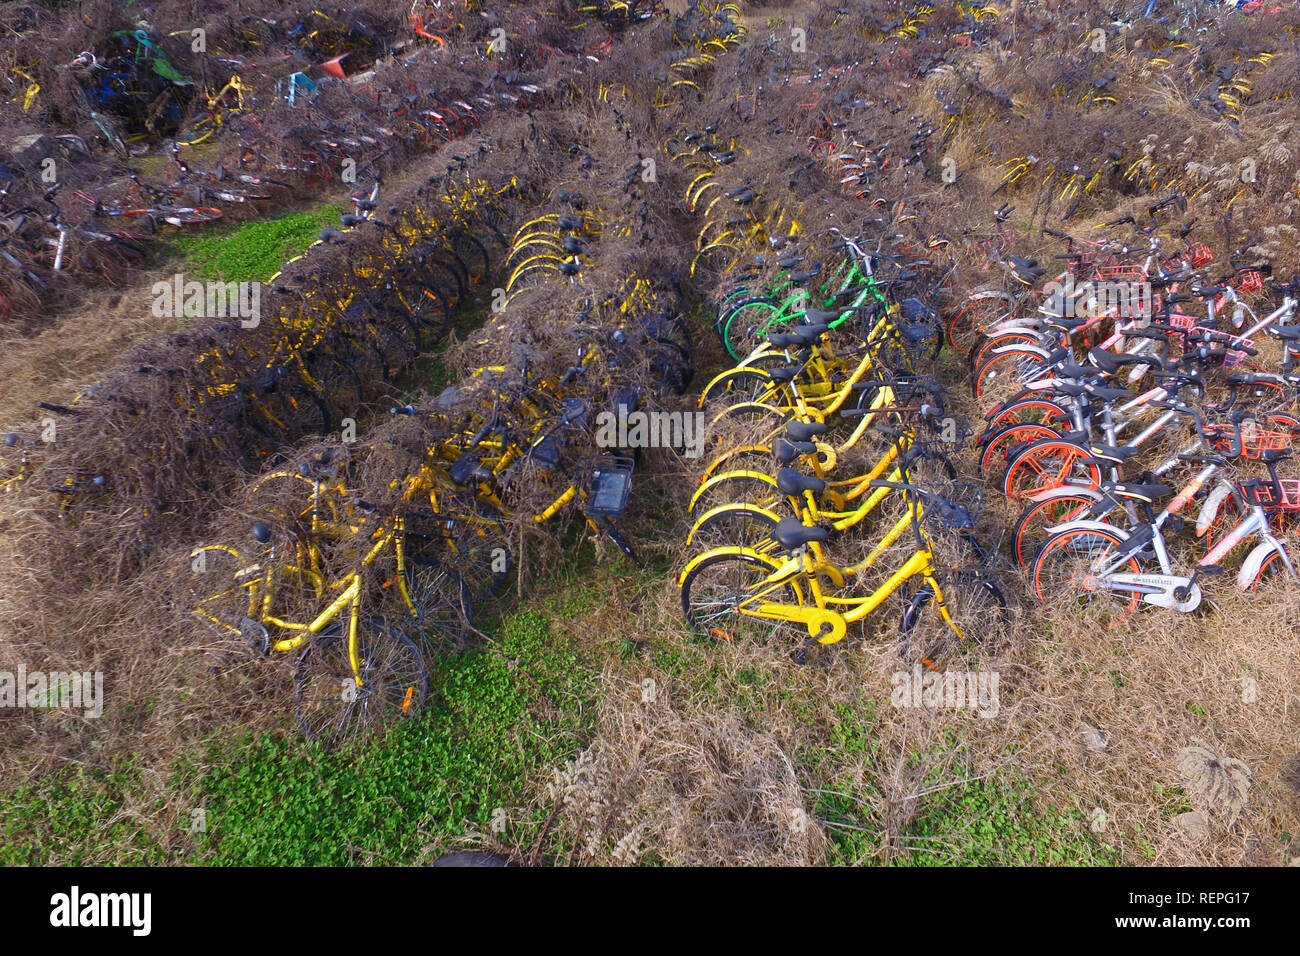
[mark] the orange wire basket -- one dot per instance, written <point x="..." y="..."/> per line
<point x="1249" y="281"/>
<point x="1122" y="273"/>
<point x="1199" y="254"/>
<point x="1266" y="495"/>
<point x="1254" y="441"/>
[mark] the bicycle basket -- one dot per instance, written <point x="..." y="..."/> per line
<point x="1266" y="496"/>
<point x="611" y="486"/>
<point x="1249" y="281"/>
<point x="1199" y="254"/>
<point x="1254" y="441"/>
<point x="1123" y="273"/>
<point x="1234" y="357"/>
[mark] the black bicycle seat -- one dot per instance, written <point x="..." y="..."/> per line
<point x="1114" y="361"/>
<point x="791" y="482"/>
<point x="804" y="431"/>
<point x="787" y="451"/>
<point x="791" y="534"/>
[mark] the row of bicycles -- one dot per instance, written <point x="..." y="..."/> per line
<point x="829" y="486"/>
<point x="368" y="560"/>
<point x="1137" y="385"/>
<point x="260" y="148"/>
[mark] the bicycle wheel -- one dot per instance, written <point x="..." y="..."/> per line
<point x="1002" y="443"/>
<point x="717" y="591"/>
<point x="1051" y="463"/>
<point x="975" y="604"/>
<point x="740" y="385"/>
<point x="308" y="410"/>
<point x="739" y="525"/>
<point x="472" y="540"/>
<point x="1065" y="576"/>
<point x="1031" y="532"/>
<point x="1271" y="573"/>
<point x="970" y="324"/>
<point x="185" y="215"/>
<point x="444" y="607"/>
<point x="333" y="709"/>
<point x="745" y="326"/>
<point x="1030" y="411"/>
<point x="213" y="592"/>
<point x="425" y="302"/>
<point x="1005" y="373"/>
<point x="982" y="349"/>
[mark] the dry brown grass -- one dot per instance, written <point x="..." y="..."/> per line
<point x="725" y="760"/>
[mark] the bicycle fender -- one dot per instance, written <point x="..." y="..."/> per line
<point x="1213" y="502"/>
<point x="722" y="375"/>
<point x="722" y="476"/>
<point x="1020" y="347"/>
<point x="763" y="351"/>
<point x="730" y="549"/>
<point x="1048" y="493"/>
<point x="1254" y="562"/>
<point x="984" y="295"/>
<point x="731" y="506"/>
<point x="1088" y="525"/>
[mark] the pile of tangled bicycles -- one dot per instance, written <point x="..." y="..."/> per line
<point x="963" y="321"/>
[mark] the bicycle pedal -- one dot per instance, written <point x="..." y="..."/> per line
<point x="800" y="655"/>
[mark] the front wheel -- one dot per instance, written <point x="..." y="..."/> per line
<point x="1051" y="463"/>
<point x="335" y="704"/>
<point x="977" y="612"/>
<point x="1031" y="529"/>
<point x="721" y="593"/>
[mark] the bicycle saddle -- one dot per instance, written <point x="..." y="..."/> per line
<point x="808" y="334"/>
<point x="787" y="451"/>
<point x="1114" y="361"/>
<point x="818" y="316"/>
<point x="1147" y="493"/>
<point x="785" y="373"/>
<point x="785" y="340"/>
<point x="791" y="482"/>
<point x="468" y="468"/>
<point x="1110" y="453"/>
<point x="804" y="431"/>
<point x="791" y="534"/>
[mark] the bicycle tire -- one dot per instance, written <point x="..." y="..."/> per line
<point x="715" y="587"/>
<point x="395" y="682"/>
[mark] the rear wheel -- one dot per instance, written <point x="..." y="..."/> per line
<point x="968" y="325"/>
<point x="1065" y="576"/>
<point x="978" y="611"/>
<point x="1051" y="463"/>
<point x="1031" y="529"/>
